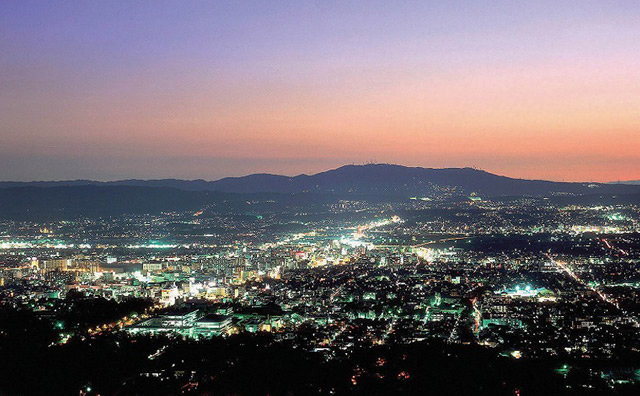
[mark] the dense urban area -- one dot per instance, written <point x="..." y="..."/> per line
<point x="519" y="296"/>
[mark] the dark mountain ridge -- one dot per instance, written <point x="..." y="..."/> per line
<point x="382" y="179"/>
<point x="264" y="192"/>
<point x="632" y="182"/>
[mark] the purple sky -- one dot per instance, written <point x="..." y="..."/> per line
<point x="193" y="89"/>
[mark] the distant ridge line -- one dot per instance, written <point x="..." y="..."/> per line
<point x="377" y="179"/>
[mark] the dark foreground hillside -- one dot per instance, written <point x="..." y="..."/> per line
<point x="114" y="364"/>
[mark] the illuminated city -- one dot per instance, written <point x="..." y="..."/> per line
<point x="522" y="278"/>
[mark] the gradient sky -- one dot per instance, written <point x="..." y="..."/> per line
<point x="192" y="89"/>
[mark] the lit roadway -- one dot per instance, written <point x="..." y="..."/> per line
<point x="429" y="242"/>
<point x="441" y="240"/>
<point x="610" y="246"/>
<point x="604" y="297"/>
<point x="477" y="314"/>
<point x="455" y="327"/>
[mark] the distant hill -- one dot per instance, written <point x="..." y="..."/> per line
<point x="376" y="179"/>
<point x="262" y="192"/>
<point x="401" y="180"/>
<point x="61" y="202"/>
<point x="92" y="201"/>
<point x="186" y="185"/>
<point x="630" y="182"/>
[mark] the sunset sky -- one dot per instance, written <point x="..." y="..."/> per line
<point x="192" y="89"/>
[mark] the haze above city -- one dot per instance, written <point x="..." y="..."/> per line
<point x="107" y="91"/>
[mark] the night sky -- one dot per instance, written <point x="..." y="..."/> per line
<point x="192" y="89"/>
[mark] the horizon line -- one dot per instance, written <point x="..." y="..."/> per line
<point x="307" y="174"/>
